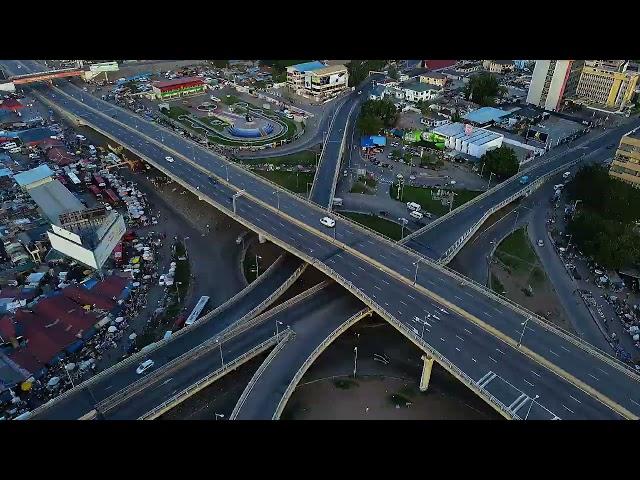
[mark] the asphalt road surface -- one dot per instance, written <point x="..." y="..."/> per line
<point x="381" y="271"/>
<point x="434" y="240"/>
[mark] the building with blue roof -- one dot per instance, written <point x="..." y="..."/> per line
<point x="485" y="116"/>
<point x="307" y="66"/>
<point x="34" y="177"/>
<point x="371" y="141"/>
<point x="317" y="81"/>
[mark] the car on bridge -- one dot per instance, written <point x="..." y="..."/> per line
<point x="328" y="222"/>
<point x="144" y="366"/>
<point x="169" y="159"/>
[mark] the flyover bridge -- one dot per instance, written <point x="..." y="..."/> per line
<point x="470" y="331"/>
<point x="45" y="76"/>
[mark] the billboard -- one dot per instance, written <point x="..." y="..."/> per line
<point x="71" y="249"/>
<point x="104" y="67"/>
<point x="113" y="234"/>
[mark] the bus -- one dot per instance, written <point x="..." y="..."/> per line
<point x="73" y="177"/>
<point x="197" y="310"/>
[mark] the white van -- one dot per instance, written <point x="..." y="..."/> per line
<point x="9" y="145"/>
<point x="416" y="215"/>
<point x="414" y="207"/>
<point x="15" y="150"/>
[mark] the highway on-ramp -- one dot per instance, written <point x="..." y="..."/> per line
<point x="475" y="340"/>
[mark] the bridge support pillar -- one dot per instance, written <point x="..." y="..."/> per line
<point x="426" y="373"/>
<point x="261" y="239"/>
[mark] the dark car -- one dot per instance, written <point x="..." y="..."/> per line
<point x="611" y="146"/>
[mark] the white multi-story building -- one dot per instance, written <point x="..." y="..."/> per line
<point x="468" y="139"/>
<point x="414" y="91"/>
<point x="552" y="81"/>
<point x="317" y="81"/>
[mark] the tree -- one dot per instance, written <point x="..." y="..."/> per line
<point x="393" y="72"/>
<point x="221" y="63"/>
<point x="502" y="162"/>
<point x="370" y="124"/>
<point x="359" y="69"/>
<point x="456" y="116"/>
<point x="383" y="109"/>
<point x="483" y="89"/>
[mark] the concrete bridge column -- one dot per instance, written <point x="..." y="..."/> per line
<point x="426" y="373"/>
<point x="261" y="239"/>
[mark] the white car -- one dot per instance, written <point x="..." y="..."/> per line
<point x="144" y="366"/>
<point x="169" y="159"/>
<point x="541" y="243"/>
<point x="328" y="222"/>
<point x="161" y="280"/>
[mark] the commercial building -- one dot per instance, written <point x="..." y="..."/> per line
<point x="180" y="87"/>
<point x="626" y="163"/>
<point x="468" y="139"/>
<point x="498" y="66"/>
<point x="485" y="116"/>
<point x="54" y="199"/>
<point x="606" y="83"/>
<point x="34" y="177"/>
<point x="438" y="64"/>
<point x="553" y="81"/>
<point x="317" y="81"/>
<point x="433" y="78"/>
<point x="414" y="91"/>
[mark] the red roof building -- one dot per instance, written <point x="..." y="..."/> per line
<point x="179" y="87"/>
<point x="82" y="296"/>
<point x="438" y="64"/>
<point x="59" y="156"/>
<point x="11" y="104"/>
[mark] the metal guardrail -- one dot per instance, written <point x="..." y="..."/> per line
<point x="338" y="166"/>
<point x="256" y="376"/>
<point x="312" y="357"/>
<point x="577" y="341"/>
<point x="205" y="381"/>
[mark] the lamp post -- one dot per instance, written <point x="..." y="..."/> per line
<point x="233" y="198"/>
<point x="257" y="265"/>
<point x="533" y="400"/>
<point x="220" y="345"/>
<point x="403" y="222"/>
<point x="178" y="291"/>
<point x="489" y="184"/>
<point x="186" y="252"/>
<point x="226" y="167"/>
<point x="277" y="194"/>
<point x="415" y="275"/>
<point x="219" y="415"/>
<point x="453" y="194"/>
<point x="69" y="376"/>
<point x="524" y="327"/>
<point x="355" y="361"/>
<point x="277" y="323"/>
<point x="309" y="183"/>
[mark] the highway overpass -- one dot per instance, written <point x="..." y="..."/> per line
<point x="443" y="238"/>
<point x="477" y="339"/>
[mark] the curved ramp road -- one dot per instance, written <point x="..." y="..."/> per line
<point x="250" y="301"/>
<point x="477" y="337"/>
<point x="436" y="238"/>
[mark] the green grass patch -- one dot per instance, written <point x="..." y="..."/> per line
<point x="359" y="187"/>
<point x="516" y="251"/>
<point x="306" y="158"/>
<point x="423" y="196"/>
<point x="385" y="227"/>
<point x="295" y="182"/>
<point x="344" y="383"/>
<point x="175" y="112"/>
<point x="230" y="99"/>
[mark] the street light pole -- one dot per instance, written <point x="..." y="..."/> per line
<point x="277" y="323"/>
<point x="220" y="345"/>
<point x="186" y="252"/>
<point x="533" y="400"/>
<point x="524" y="327"/>
<point x="453" y="194"/>
<point x="489" y="184"/>
<point x="227" y="169"/>
<point x="424" y="322"/>
<point x="415" y="275"/>
<point x="355" y="361"/>
<point x="257" y="265"/>
<point x="277" y="194"/>
<point x="403" y="222"/>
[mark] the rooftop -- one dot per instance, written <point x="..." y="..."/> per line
<point x="34" y="175"/>
<point x="433" y="75"/>
<point x="420" y="87"/>
<point x="478" y="136"/>
<point x="308" y="66"/>
<point x="485" y="115"/>
<point x="54" y="199"/>
<point x="329" y="70"/>
<point x="178" y="82"/>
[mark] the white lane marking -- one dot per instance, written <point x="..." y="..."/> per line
<point x="468" y="331"/>
<point x="384" y="281"/>
<point x="374" y="295"/>
<point x="442" y="339"/>
<point x="528" y="383"/>
<point x="554" y="353"/>
<point x="386" y="304"/>
<point x="459" y="298"/>
<point x="427" y="329"/>
<point x="634" y="402"/>
<point x="467" y="293"/>
<point x="457" y="349"/>
<point x="603" y="371"/>
<point x="473" y="359"/>
<point x="376" y="286"/>
<point x="107" y="388"/>
<point x="458" y="336"/>
<point x="361" y="268"/>
<point x="565" y="349"/>
<point x="596" y="378"/>
<point x="568" y="408"/>
<point x="575" y="399"/>
<point x="399" y="312"/>
<point x="491" y="358"/>
<point x="536" y="374"/>
<point x="167" y="381"/>
<point x="488" y="314"/>
<point x="403" y="303"/>
<point x="411" y="296"/>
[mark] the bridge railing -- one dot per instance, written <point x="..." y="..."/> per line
<point x="312" y="357"/>
<point x="577" y="341"/>
<point x="289" y="334"/>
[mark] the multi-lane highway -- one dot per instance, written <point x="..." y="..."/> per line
<point x="252" y="300"/>
<point x="436" y="238"/>
<point x="477" y="339"/>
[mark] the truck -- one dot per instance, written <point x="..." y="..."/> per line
<point x="524" y="179"/>
<point x="337" y="202"/>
